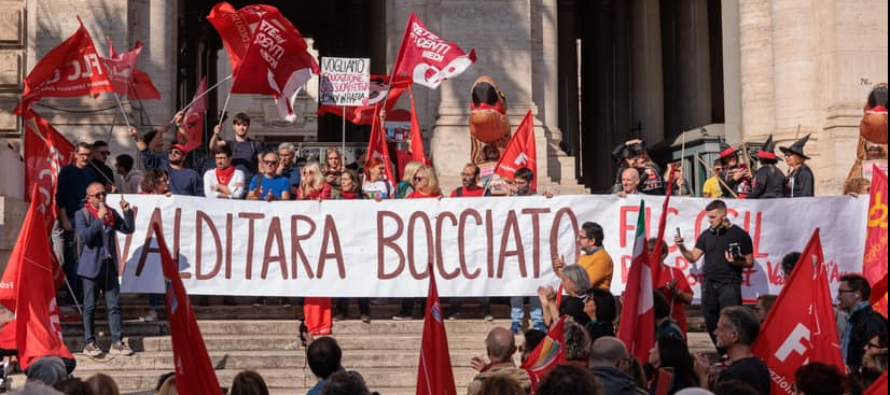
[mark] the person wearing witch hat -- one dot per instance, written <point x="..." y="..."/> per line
<point x="735" y="175"/>
<point x="800" y="181"/>
<point x="769" y="181"/>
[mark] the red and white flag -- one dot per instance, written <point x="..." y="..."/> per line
<point x="236" y="27"/>
<point x="73" y="69"/>
<point x="29" y="289"/>
<point x="428" y="59"/>
<point x="434" y="373"/>
<point x="122" y="68"/>
<point x="874" y="267"/>
<point x="194" y="370"/>
<point x="637" y="328"/>
<point x="801" y="329"/>
<point x="418" y="154"/>
<point x="522" y="152"/>
<point x="193" y="124"/>
<point x="378" y="148"/>
<point x="548" y="355"/>
<point x="364" y="115"/>
<point x="46" y="153"/>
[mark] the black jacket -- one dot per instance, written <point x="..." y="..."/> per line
<point x="801" y="183"/>
<point x="866" y="324"/>
<point x="616" y="383"/>
<point x="769" y="183"/>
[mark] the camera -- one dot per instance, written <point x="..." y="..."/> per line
<point x="735" y="250"/>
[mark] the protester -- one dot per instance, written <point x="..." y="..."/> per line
<point x="522" y="187"/>
<point x="312" y="185"/>
<point x="287" y="167"/>
<point x="102" y="384"/>
<point x="324" y="356"/>
<point x="225" y="181"/>
<point x="875" y="355"/>
<point x="501" y="385"/>
<point x="97" y="228"/>
<point x="863" y="323"/>
<point x="49" y="371"/>
<point x="789" y="261"/>
<point x="318" y="311"/>
<point x="606" y="355"/>
<point x="249" y="383"/>
<point x="350" y="191"/>
<point x="70" y="196"/>
<point x="577" y="345"/>
<point x="156" y="182"/>
<point x="575" y="283"/>
<point x="633" y="155"/>
<point x="665" y="326"/>
<point x="858" y="187"/>
<point x="470" y="183"/>
<point x="101" y="153"/>
<point x="376" y="186"/>
<point x="522" y="183"/>
<point x="627" y="155"/>
<point x="734" y="387"/>
<point x="737" y="331"/>
<point x="594" y="258"/>
<point x="406" y="187"/>
<point x="800" y="182"/>
<point x="680" y="187"/>
<point x="500" y="346"/>
<point x="819" y="379"/>
<point x="74" y="386"/>
<point x="246" y="151"/>
<point x="345" y="383"/>
<point x="426" y="184"/>
<point x="630" y="183"/>
<point x="769" y="182"/>
<point x="763" y="306"/>
<point x="268" y="185"/>
<point x="570" y="380"/>
<point x="736" y="176"/>
<point x="727" y="250"/>
<point x="673" y="354"/>
<point x="675" y="288"/>
<point x="602" y="309"/>
<point x="333" y="168"/>
<point x="183" y="181"/>
<point x="532" y="338"/>
<point x="131" y="178"/>
<point x="712" y="188"/>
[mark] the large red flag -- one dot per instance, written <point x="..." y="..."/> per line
<point x="236" y="27"/>
<point x="879" y="387"/>
<point x="434" y="374"/>
<point x="637" y="328"/>
<point x="193" y="124"/>
<point x="800" y="329"/>
<point x="364" y="115"/>
<point x="28" y="289"/>
<point x="377" y="147"/>
<point x="143" y="88"/>
<point x="428" y="59"/>
<point x="194" y="371"/>
<point x="522" y="152"/>
<point x="660" y="276"/>
<point x="121" y="68"/>
<point x="875" y="266"/>
<point x="72" y="69"/>
<point x="548" y="355"/>
<point x="418" y="154"/>
<point x="46" y="153"/>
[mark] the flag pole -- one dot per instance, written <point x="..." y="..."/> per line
<point x="73" y="296"/>
<point x="111" y="129"/>
<point x="123" y="112"/>
<point x="682" y="167"/>
<point x="343" y="151"/>
<point x="711" y="171"/>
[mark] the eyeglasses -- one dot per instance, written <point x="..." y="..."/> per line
<point x="175" y="152"/>
<point x="416" y="179"/>
<point x="99" y="195"/>
<point x="718" y="169"/>
<point x="270" y="162"/>
<point x="874" y="346"/>
<point x="846" y="291"/>
<point x="104" y="153"/>
<point x="82" y="154"/>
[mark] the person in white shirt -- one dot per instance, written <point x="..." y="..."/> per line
<point x="224" y="182"/>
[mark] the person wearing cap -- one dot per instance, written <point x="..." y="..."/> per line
<point x="736" y="177"/>
<point x="183" y="181"/>
<point x="800" y="181"/>
<point x="769" y="182"/>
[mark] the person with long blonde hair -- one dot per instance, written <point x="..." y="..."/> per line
<point x="312" y="184"/>
<point x="426" y="184"/>
<point x="406" y="187"/>
<point x="334" y="167"/>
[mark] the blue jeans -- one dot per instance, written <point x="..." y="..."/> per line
<point x="517" y="311"/>
<point x="107" y="281"/>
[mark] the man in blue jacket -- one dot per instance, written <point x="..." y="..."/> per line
<point x="97" y="227"/>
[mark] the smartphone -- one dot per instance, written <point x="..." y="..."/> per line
<point x="678" y="233"/>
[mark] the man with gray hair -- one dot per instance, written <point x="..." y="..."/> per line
<point x="630" y="183"/>
<point x="607" y="356"/>
<point x="737" y="331"/>
<point x="287" y="167"/>
<point x="500" y="346"/>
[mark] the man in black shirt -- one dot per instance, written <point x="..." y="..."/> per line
<point x="728" y="251"/>
<point x="737" y="330"/>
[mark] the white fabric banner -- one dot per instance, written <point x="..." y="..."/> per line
<point x="477" y="247"/>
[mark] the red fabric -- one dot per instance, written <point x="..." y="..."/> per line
<point x="364" y="115"/>
<point x="800" y="329"/>
<point x="428" y="59"/>
<point x="879" y="387"/>
<point x="403" y="158"/>
<point x="377" y="147"/>
<point x="420" y="195"/>
<point x="121" y="68"/>
<point x="46" y="153"/>
<point x="767" y="156"/>
<point x="72" y="69"/>
<point x="319" y="316"/>
<point x="109" y="218"/>
<point x="499" y="107"/>
<point x="678" y="308"/>
<point x="548" y="355"/>
<point x="194" y="371"/>
<point x="727" y="153"/>
<point x="478" y="192"/>
<point x="663" y="382"/>
<point x="236" y="28"/>
<point x="521" y="152"/>
<point x="194" y="122"/>
<point x="656" y="265"/>
<point x="143" y="88"/>
<point x="637" y="328"/>
<point x="417" y="151"/>
<point x="224" y="176"/>
<point x="874" y="267"/>
<point x="313" y="195"/>
<point x="29" y="291"/>
<point x="434" y="373"/>
<point x="7" y="337"/>
<point x="879" y="109"/>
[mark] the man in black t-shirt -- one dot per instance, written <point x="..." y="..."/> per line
<point x="246" y="151"/>
<point x="737" y="331"/>
<point x="728" y="251"/>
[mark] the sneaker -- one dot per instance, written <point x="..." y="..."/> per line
<point x="516" y="328"/>
<point x="488" y="317"/>
<point x="152" y="316"/>
<point x="402" y="317"/>
<point x="92" y="350"/>
<point x="366" y="319"/>
<point x="120" y="348"/>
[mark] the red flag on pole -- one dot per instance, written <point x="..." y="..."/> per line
<point x="428" y="59"/>
<point x="548" y="355"/>
<point x="879" y="387"/>
<point x="522" y="152"/>
<point x="364" y="115"/>
<point x="143" y="88"/>
<point x="46" y="153"/>
<point x="660" y="276"/>
<point x="417" y="151"/>
<point x="194" y="371"/>
<point x="874" y="267"/>
<point x="434" y="374"/>
<point x="637" y="328"/>
<point x="801" y="328"/>
<point x="122" y="68"/>
<point x="194" y="121"/>
<point x="73" y="69"/>
<point x="236" y="28"/>
<point x="29" y="291"/>
<point x="378" y="148"/>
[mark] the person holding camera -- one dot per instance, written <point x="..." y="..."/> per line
<point x="728" y="250"/>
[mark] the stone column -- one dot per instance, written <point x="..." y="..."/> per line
<point x="156" y="24"/>
<point x="548" y="69"/>
<point x="647" y="79"/>
<point x="695" y="64"/>
<point x="756" y="61"/>
<point x="732" y="74"/>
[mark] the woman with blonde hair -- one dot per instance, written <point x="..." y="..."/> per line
<point x="406" y="187"/>
<point x="426" y="184"/>
<point x="312" y="183"/>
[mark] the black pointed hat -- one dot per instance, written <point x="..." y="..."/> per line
<point x="797" y="148"/>
<point x="768" y="152"/>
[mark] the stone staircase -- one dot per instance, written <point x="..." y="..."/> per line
<point x="266" y="339"/>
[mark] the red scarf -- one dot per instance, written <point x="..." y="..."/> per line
<point x="109" y="220"/>
<point x="224" y="176"/>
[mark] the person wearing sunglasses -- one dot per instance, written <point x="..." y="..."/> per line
<point x="712" y="188"/>
<point x="426" y="184"/>
<point x="101" y="153"/>
<point x="268" y="185"/>
<point x="183" y="180"/>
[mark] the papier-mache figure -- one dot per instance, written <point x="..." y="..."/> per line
<point x="872" y="149"/>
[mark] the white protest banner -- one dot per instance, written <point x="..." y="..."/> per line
<point x="477" y="247"/>
<point x="345" y="82"/>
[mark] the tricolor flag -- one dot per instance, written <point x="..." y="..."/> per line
<point x="637" y="328"/>
<point x="548" y="355"/>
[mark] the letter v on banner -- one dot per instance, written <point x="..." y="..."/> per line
<point x="522" y="152"/>
<point x="793" y="336"/>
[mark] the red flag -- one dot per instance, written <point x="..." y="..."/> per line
<point x="143" y="88"/>
<point x="277" y="63"/>
<point x="377" y="147"/>
<point x="364" y="115"/>
<point x="46" y="153"/>
<point x="236" y="28"/>
<point x="121" y="68"/>
<point x="194" y="371"/>
<point x="637" y="328"/>
<point x="801" y="328"/>
<point x="428" y="59"/>
<point x="28" y="290"/>
<point x="522" y="152"/>
<point x="417" y="151"/>
<point x="72" y="69"/>
<point x="659" y="275"/>
<point x="879" y="387"/>
<point x="548" y="355"/>
<point x="875" y="266"/>
<point x="434" y="374"/>
<point x="194" y="121"/>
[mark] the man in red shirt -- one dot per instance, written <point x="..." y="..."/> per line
<point x="675" y="288"/>
<point x="470" y="179"/>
